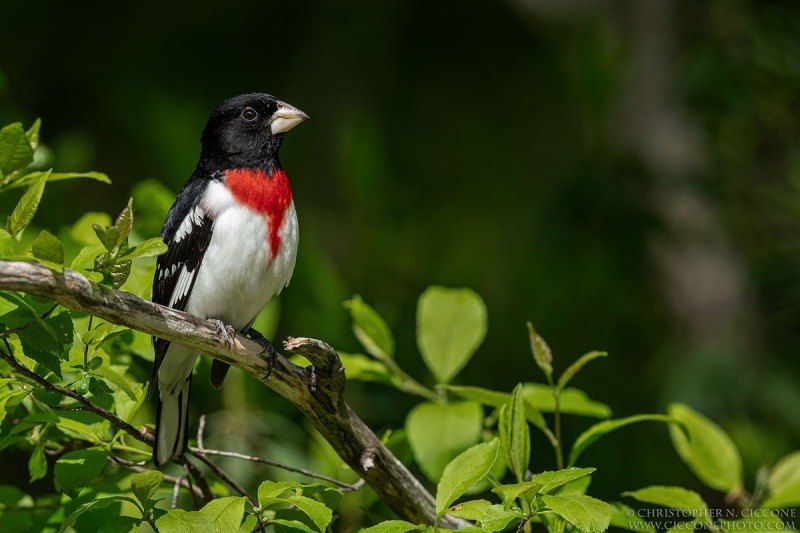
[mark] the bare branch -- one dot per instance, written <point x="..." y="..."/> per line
<point x="325" y="407"/>
<point x="346" y="487"/>
<point x="141" y="435"/>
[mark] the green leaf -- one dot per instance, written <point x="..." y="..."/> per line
<point x="526" y="490"/>
<point x="392" y="526"/>
<point x="145" y="484"/>
<point x="269" y="491"/>
<point x="588" y="437"/>
<point x="577" y="486"/>
<point x="149" y="248"/>
<point x="292" y="524"/>
<point x="783" y="483"/>
<point x="87" y="255"/>
<point x="706" y="449"/>
<point x="75" y="470"/>
<point x="32" y="135"/>
<point x="7" y="244"/>
<point x="26" y="207"/>
<point x="370" y="329"/>
<point x="57" y="176"/>
<point x="108" y="235"/>
<point x="117" y="379"/>
<point x="79" y="429"/>
<point x="542" y="355"/>
<point x="316" y="511"/>
<point x="685" y="500"/>
<point x="37" y="463"/>
<point x="496" y="399"/>
<point x="515" y="436"/>
<point x="50" y="343"/>
<point x="553" y="480"/>
<point x="575" y="367"/>
<point x="497" y="518"/>
<point x="471" y="510"/>
<point x="222" y="514"/>
<point x="359" y="367"/>
<point x="15" y="149"/>
<point x="573" y="401"/>
<point x="481" y="395"/>
<point x="249" y="524"/>
<point x="625" y="517"/>
<point x="584" y="512"/>
<point x="124" y="223"/>
<point x="121" y="524"/>
<point x="451" y="324"/>
<point x="48" y="247"/>
<point x="97" y="503"/>
<point x="439" y="432"/>
<point x="464" y="471"/>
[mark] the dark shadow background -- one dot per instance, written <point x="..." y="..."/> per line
<point x="624" y="174"/>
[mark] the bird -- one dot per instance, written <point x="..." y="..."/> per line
<point x="232" y="237"/>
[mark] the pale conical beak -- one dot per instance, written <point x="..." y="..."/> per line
<point x="286" y="118"/>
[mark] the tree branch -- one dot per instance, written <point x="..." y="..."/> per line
<point x="321" y="400"/>
<point x="141" y="435"/>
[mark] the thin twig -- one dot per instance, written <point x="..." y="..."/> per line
<point x="201" y="427"/>
<point x="135" y="468"/>
<point x="199" y="479"/>
<point x="139" y="435"/>
<point x="346" y="487"/>
<point x="226" y="478"/>
<point x="176" y="490"/>
<point x="29" y="324"/>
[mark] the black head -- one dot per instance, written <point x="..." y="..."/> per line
<point x="246" y="131"/>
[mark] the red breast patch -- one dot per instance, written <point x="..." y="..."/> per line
<point x="267" y="194"/>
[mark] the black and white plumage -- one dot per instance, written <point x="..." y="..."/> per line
<point x="232" y="235"/>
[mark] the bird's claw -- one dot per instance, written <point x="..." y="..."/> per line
<point x="269" y="349"/>
<point x="225" y="332"/>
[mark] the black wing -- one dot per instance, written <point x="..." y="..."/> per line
<point x="187" y="232"/>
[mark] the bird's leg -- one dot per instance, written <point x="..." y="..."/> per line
<point x="225" y="331"/>
<point x="269" y="349"/>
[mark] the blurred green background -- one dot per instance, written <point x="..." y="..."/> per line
<point x="625" y="174"/>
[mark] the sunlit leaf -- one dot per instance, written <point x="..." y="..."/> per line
<point x="542" y="355"/>
<point x="515" y="435"/>
<point x="463" y="472"/>
<point x="555" y="479"/>
<point x="584" y="512"/>
<point x="47" y="246"/>
<point x="78" y="469"/>
<point x="15" y="148"/>
<point x="26" y="207"/>
<point x="145" y="484"/>
<point x="439" y="432"/>
<point x="706" y="449"/>
<point x="370" y="329"/>
<point x="451" y="324"/>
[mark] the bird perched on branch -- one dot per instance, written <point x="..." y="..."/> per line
<point x="232" y="235"/>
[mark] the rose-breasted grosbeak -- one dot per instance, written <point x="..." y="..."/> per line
<point x="232" y="235"/>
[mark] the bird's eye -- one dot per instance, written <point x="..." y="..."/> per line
<point x="249" y="114"/>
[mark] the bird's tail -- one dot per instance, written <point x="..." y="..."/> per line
<point x="172" y="424"/>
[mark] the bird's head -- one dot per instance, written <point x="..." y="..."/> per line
<point x="248" y="128"/>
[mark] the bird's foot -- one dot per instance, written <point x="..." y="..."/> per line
<point x="225" y="332"/>
<point x="269" y="349"/>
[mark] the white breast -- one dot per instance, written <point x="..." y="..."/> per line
<point x="239" y="272"/>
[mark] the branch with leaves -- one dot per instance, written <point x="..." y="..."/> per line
<point x="320" y="398"/>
